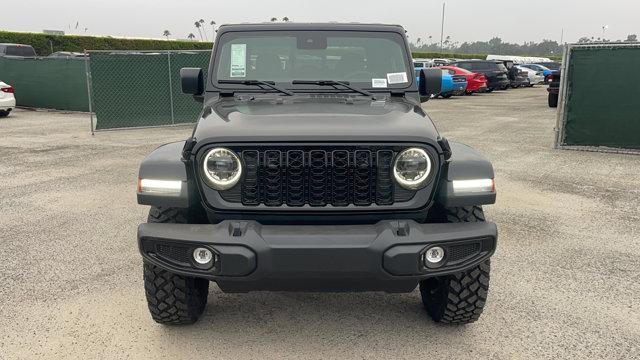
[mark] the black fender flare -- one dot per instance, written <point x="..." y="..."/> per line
<point x="465" y="163"/>
<point x="165" y="163"/>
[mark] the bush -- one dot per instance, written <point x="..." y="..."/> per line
<point x="43" y="43"/>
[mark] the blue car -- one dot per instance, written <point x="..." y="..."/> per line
<point x="451" y="84"/>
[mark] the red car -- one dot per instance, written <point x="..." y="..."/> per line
<point x="475" y="82"/>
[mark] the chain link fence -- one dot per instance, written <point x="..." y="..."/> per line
<point x="141" y="89"/>
<point x="597" y="110"/>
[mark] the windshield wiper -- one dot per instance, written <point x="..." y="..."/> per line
<point x="333" y="83"/>
<point x="269" y="84"/>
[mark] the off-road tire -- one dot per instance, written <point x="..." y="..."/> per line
<point x="173" y="299"/>
<point x="553" y="100"/>
<point x="458" y="298"/>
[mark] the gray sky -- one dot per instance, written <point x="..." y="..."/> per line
<point x="467" y="20"/>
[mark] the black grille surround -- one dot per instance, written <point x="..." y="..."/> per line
<point x="319" y="176"/>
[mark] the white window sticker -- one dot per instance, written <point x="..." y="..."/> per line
<point x="238" y="60"/>
<point x="397" y="78"/>
<point x="379" y="83"/>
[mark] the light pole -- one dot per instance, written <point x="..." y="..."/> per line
<point x="442" y="28"/>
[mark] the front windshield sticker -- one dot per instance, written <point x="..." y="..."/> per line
<point x="379" y="83"/>
<point x="238" y="60"/>
<point x="397" y="78"/>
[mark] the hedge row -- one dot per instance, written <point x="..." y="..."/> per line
<point x="43" y="43"/>
<point x="437" y="55"/>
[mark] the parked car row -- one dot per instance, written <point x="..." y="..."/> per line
<point x="484" y="75"/>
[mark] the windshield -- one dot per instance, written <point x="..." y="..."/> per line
<point x="364" y="59"/>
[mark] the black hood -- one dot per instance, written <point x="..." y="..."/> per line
<point x="314" y="119"/>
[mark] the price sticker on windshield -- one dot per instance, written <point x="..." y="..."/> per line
<point x="378" y="83"/>
<point x="238" y="60"/>
<point x="397" y="78"/>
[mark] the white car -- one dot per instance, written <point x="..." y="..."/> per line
<point x="7" y="100"/>
<point x="535" y="77"/>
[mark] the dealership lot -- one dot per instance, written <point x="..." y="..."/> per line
<point x="565" y="279"/>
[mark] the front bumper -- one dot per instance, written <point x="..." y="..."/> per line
<point x="387" y="256"/>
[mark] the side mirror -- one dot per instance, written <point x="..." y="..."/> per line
<point x="192" y="81"/>
<point x="430" y="82"/>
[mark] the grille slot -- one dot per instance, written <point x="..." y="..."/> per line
<point x="384" y="183"/>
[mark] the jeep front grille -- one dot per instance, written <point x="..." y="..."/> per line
<point x="317" y="176"/>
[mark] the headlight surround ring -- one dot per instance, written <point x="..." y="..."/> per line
<point x="421" y="172"/>
<point x="226" y="176"/>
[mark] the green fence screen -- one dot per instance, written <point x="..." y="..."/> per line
<point x="139" y="89"/>
<point x="47" y="82"/>
<point x="601" y="105"/>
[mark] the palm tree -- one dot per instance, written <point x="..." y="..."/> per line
<point x="198" y="25"/>
<point x="285" y="19"/>
<point x="166" y="34"/>
<point x="213" y="28"/>
<point x="191" y="36"/>
<point x="201" y="21"/>
<point x="273" y="19"/>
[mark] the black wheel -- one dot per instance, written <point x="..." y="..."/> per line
<point x="489" y="90"/>
<point x="553" y="100"/>
<point x="458" y="298"/>
<point x="4" y="113"/>
<point x="173" y="299"/>
<point x="447" y="96"/>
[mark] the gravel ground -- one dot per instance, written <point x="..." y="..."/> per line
<point x="565" y="280"/>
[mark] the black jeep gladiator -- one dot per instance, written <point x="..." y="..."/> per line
<point x="313" y="167"/>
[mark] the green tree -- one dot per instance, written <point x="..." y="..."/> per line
<point x="632" y="38"/>
<point x="191" y="36"/>
<point x="166" y="34"/>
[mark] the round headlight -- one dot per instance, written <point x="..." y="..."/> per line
<point x="412" y="168"/>
<point x="221" y="168"/>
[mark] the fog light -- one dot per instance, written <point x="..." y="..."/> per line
<point x="203" y="256"/>
<point x="433" y="255"/>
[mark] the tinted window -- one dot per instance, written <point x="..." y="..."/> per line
<point x="551" y="66"/>
<point x="20" y="50"/>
